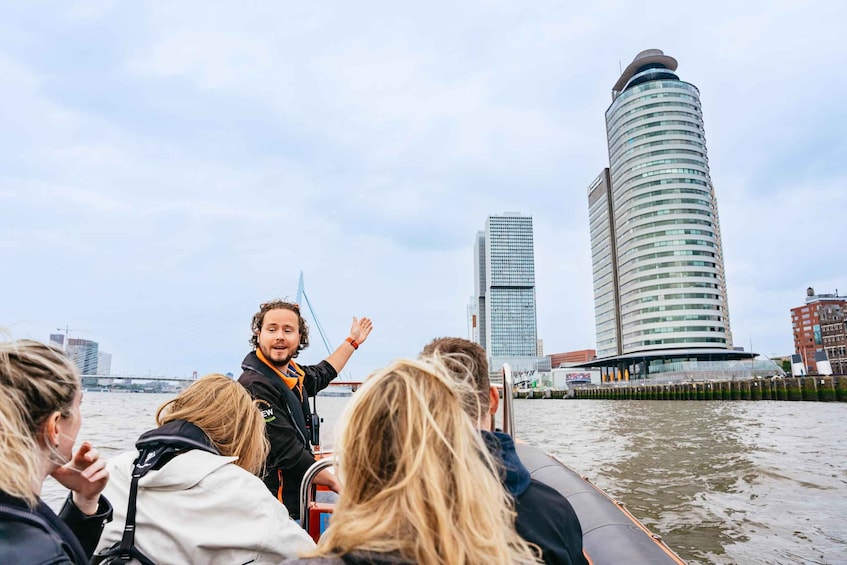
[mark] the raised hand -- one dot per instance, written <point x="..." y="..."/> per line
<point x="86" y="476"/>
<point x="361" y="329"/>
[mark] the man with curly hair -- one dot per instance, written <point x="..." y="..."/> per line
<point x="282" y="389"/>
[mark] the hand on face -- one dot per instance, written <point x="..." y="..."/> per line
<point x="361" y="329"/>
<point x="86" y="476"/>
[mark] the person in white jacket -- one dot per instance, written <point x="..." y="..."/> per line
<point x="204" y="504"/>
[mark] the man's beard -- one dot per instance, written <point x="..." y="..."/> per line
<point x="279" y="364"/>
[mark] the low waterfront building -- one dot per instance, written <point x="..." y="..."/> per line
<point x="676" y="365"/>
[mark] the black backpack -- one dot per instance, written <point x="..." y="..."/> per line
<point x="155" y="449"/>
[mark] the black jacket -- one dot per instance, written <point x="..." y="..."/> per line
<point x="544" y="517"/>
<point x="38" y="536"/>
<point x="288" y="423"/>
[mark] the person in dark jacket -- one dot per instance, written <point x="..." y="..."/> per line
<point x="282" y="389"/>
<point x="544" y="516"/>
<point x="40" y="395"/>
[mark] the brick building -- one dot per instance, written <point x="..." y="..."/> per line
<point x="572" y="357"/>
<point x="819" y="326"/>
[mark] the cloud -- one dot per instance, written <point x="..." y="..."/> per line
<point x="167" y="167"/>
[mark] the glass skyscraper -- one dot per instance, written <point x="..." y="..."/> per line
<point x="505" y="290"/>
<point x="83" y="353"/>
<point x="657" y="258"/>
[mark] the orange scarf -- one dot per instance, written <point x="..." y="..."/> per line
<point x="294" y="383"/>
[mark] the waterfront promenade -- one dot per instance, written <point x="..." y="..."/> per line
<point x="813" y="389"/>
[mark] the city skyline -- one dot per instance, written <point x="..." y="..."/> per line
<point x="167" y="168"/>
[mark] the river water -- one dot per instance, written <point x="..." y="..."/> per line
<point x="721" y="482"/>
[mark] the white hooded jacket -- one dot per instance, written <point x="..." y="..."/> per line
<point x="202" y="508"/>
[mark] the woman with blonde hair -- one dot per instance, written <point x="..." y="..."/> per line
<point x="419" y="484"/>
<point x="40" y="395"/>
<point x="191" y="488"/>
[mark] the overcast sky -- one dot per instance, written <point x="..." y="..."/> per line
<point x="166" y="167"/>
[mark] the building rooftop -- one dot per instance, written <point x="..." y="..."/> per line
<point x="698" y="353"/>
<point x="646" y="57"/>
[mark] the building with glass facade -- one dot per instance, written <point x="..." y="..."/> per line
<point x="83" y="353"/>
<point x="104" y="363"/>
<point x="656" y="244"/>
<point x="477" y="307"/>
<point x="660" y="298"/>
<point x="504" y="303"/>
<point x="604" y="266"/>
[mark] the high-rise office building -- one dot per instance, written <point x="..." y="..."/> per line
<point x="58" y="339"/>
<point x="504" y="276"/>
<point x="656" y="243"/>
<point x="477" y="307"/>
<point x="660" y="298"/>
<point x="83" y="353"/>
<point x="104" y="363"/>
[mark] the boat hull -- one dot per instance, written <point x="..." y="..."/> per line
<point x="610" y="534"/>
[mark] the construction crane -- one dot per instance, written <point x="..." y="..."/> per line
<point x="67" y="331"/>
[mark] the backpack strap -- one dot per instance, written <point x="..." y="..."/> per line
<point x="155" y="449"/>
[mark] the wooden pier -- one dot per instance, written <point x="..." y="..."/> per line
<point x="810" y="389"/>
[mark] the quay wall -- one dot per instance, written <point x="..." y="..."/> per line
<point x="809" y="389"/>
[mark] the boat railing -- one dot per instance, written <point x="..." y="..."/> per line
<point x="312" y="514"/>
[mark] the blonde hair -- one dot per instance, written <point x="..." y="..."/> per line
<point x="36" y="380"/>
<point x="418" y="480"/>
<point x="223" y="409"/>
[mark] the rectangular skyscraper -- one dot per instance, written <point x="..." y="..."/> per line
<point x="83" y="353"/>
<point x="479" y="282"/>
<point x="504" y="276"/>
<point x="104" y="363"/>
<point x="657" y="256"/>
<point x="604" y="266"/>
<point x="58" y="339"/>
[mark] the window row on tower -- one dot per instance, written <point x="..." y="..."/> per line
<point x="676" y="341"/>
<point x="617" y="151"/>
<point x="673" y="307"/>
<point x="701" y="159"/>
<point x="676" y="104"/>
<point x="655" y="287"/>
<point x="620" y="161"/>
<point x="668" y="297"/>
<point x="668" y="275"/>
